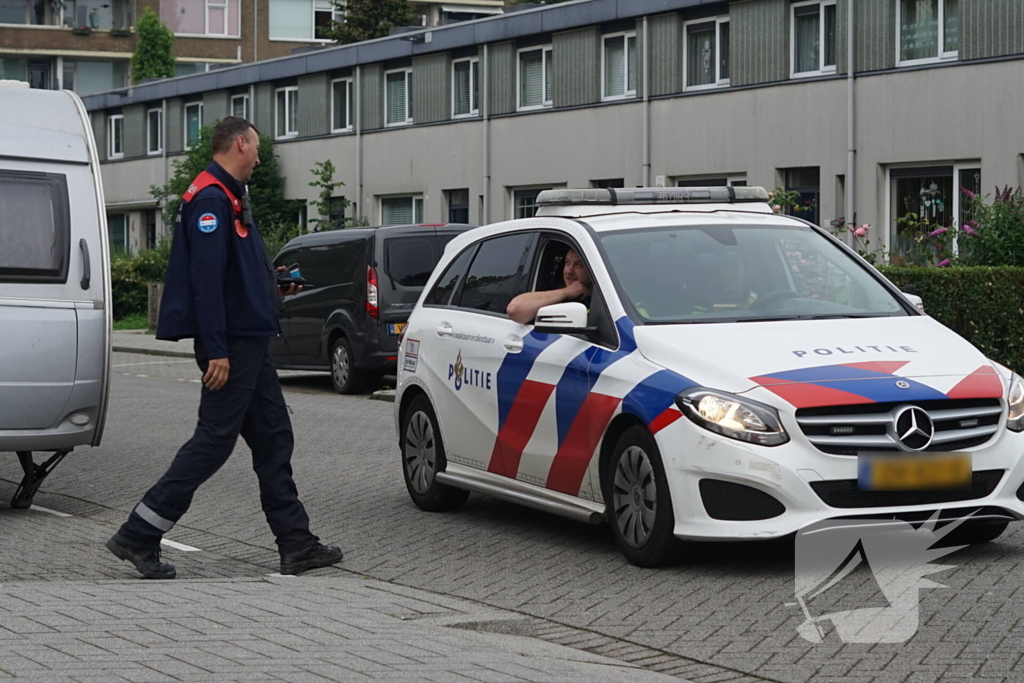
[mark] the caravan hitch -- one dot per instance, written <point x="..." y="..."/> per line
<point x="34" y="476"/>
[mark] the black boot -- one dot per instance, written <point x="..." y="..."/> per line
<point x="146" y="561"/>
<point x="316" y="555"/>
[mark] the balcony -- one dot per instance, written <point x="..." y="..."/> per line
<point x="83" y="16"/>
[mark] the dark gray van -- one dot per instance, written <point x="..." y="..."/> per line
<point x="54" y="282"/>
<point x="362" y="286"/>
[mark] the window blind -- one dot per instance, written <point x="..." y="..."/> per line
<point x="395" y="92"/>
<point x="531" y="78"/>
<point x="615" y="67"/>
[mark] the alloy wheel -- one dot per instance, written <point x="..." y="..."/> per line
<point x="634" y="496"/>
<point x="340" y="365"/>
<point x="420" y="454"/>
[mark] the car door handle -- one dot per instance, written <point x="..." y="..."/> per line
<point x="514" y="343"/>
<point x="444" y="330"/>
<point x="86" y="263"/>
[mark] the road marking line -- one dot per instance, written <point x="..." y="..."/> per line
<point x="279" y="575"/>
<point x="49" y="511"/>
<point x="179" y="546"/>
<point x="159" y="362"/>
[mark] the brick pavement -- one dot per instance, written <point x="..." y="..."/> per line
<point x="725" y="606"/>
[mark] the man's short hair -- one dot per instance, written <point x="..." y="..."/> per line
<point x="227" y="130"/>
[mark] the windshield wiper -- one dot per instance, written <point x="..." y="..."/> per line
<point x="819" y="316"/>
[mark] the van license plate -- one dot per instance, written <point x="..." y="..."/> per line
<point x="396" y="328"/>
<point x="914" y="473"/>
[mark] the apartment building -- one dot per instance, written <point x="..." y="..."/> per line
<point x="869" y="111"/>
<point x="85" y="45"/>
<point x="454" y="11"/>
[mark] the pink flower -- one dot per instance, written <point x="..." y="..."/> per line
<point x="967" y="192"/>
<point x="938" y="231"/>
<point x="969" y="230"/>
<point x="943" y="263"/>
<point x="861" y="231"/>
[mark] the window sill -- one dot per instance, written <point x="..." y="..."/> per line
<point x="115" y="157"/>
<point x="287" y="136"/>
<point x="154" y="153"/>
<point x="617" y="98"/>
<point x="214" y="36"/>
<point x="706" y="87"/>
<point x="320" y="41"/>
<point x="535" y="107"/>
<point x="948" y="57"/>
<point x="830" y="71"/>
<point x="337" y="131"/>
<point x="398" y="124"/>
<point x="475" y="114"/>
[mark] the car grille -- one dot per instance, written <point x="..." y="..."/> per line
<point x="844" y="493"/>
<point x="849" y="430"/>
<point x="736" y="502"/>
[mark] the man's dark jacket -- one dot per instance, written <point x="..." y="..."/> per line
<point x="220" y="282"/>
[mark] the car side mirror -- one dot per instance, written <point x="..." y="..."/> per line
<point x="567" y="318"/>
<point x="916" y="300"/>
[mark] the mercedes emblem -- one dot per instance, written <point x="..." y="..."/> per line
<point x="903" y="384"/>
<point x="913" y="428"/>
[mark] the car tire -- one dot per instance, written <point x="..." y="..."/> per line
<point x="344" y="376"/>
<point x="639" y="502"/>
<point x="973" y="533"/>
<point x="423" y="456"/>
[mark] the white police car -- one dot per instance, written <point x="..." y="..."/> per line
<point x="738" y="375"/>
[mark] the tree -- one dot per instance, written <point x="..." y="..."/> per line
<point x="152" y="57"/>
<point x="277" y="217"/>
<point x="323" y="171"/>
<point x="369" y="19"/>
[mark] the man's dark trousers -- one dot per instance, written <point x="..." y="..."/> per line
<point x="250" y="404"/>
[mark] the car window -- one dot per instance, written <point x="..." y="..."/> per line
<point x="495" y="275"/>
<point x="34" y="227"/>
<point x="332" y="264"/>
<point x="441" y="294"/>
<point x="409" y="261"/>
<point x="727" y="273"/>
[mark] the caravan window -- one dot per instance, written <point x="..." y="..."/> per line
<point x="35" y="226"/>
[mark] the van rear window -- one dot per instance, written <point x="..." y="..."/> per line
<point x="35" y="227"/>
<point x="408" y="261"/>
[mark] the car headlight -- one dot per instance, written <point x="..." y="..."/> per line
<point x="733" y="417"/>
<point x="1015" y="405"/>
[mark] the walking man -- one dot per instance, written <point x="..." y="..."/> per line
<point x="221" y="290"/>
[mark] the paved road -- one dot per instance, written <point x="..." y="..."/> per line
<point x="723" y="615"/>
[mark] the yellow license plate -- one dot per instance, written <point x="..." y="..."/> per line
<point x="914" y="472"/>
<point x="396" y="328"/>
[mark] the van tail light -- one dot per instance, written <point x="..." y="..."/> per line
<point x="371" y="293"/>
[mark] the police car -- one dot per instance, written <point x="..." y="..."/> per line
<point x="734" y="374"/>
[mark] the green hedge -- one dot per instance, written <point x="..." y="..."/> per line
<point x="130" y="276"/>
<point x="982" y="304"/>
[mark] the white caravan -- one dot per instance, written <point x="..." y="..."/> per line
<point x="55" y="296"/>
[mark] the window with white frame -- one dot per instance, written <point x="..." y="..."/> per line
<point x="240" y="106"/>
<point x="398" y="97"/>
<point x="286" y="121"/>
<point x="193" y="123"/>
<point x="928" y="30"/>
<point x="401" y="210"/>
<point x="535" y="78"/>
<point x="217" y="17"/>
<point x="813" y="41"/>
<point x="341" y="105"/>
<point x="466" y="87"/>
<point x="619" y="66"/>
<point x="302" y="20"/>
<point x="155" y="131"/>
<point x="706" y="54"/>
<point x="115" y="136"/>
<point x="929" y="197"/>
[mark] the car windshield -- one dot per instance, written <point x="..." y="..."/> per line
<point x="730" y="273"/>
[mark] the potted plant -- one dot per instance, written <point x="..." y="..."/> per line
<point x="81" y="30"/>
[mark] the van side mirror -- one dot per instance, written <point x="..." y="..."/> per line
<point x="916" y="300"/>
<point x="567" y="318"/>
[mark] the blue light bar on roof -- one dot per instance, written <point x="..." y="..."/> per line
<point x="653" y="195"/>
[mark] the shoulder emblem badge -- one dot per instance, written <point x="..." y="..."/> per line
<point x="240" y="229"/>
<point x="207" y="223"/>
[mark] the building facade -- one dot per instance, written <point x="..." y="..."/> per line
<point x="868" y="111"/>
<point x="85" y="45"/>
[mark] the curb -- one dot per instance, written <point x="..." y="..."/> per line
<point x="381" y="396"/>
<point x="152" y="352"/>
